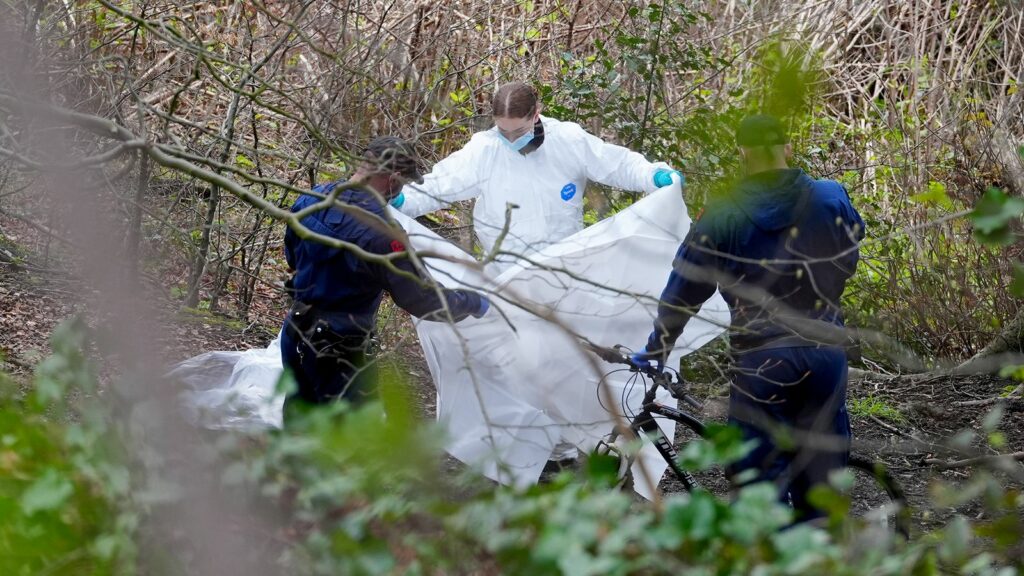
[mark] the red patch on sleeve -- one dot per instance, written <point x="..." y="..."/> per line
<point x="397" y="246"/>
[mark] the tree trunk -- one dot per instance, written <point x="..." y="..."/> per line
<point x="1009" y="339"/>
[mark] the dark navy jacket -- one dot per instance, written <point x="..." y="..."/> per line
<point x="808" y="227"/>
<point x="345" y="289"/>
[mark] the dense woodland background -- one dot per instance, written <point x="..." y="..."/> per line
<point x="149" y="152"/>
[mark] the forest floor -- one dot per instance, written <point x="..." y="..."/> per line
<point x="913" y="423"/>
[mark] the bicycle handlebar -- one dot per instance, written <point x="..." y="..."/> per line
<point x="610" y="355"/>
<point x="615" y="356"/>
<point x="686" y="397"/>
<point x="675" y="387"/>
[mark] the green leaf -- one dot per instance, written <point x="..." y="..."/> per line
<point x="47" y="493"/>
<point x="992" y="419"/>
<point x="842" y="480"/>
<point x="992" y="216"/>
<point x="957" y="540"/>
<point x="701" y="516"/>
<point x="48" y="390"/>
<point x="106" y="546"/>
<point x="997" y="440"/>
<point x="1015" y="371"/>
<point x="935" y="196"/>
<point x="602" y="469"/>
<point x="243" y="161"/>
<point x="800" y="549"/>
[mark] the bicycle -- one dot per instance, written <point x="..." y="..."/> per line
<point x="881" y="499"/>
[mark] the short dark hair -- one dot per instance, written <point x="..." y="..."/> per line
<point x="391" y="154"/>
<point x="514" y="100"/>
<point x="761" y="130"/>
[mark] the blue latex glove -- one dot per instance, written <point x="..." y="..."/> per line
<point x="485" y="305"/>
<point x="643" y="360"/>
<point x="397" y="201"/>
<point x="663" y="177"/>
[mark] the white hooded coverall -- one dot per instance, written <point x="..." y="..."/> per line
<point x="547" y="184"/>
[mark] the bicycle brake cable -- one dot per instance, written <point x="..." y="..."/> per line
<point x="600" y="400"/>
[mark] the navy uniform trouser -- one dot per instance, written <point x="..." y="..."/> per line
<point x="792" y="401"/>
<point x="326" y="366"/>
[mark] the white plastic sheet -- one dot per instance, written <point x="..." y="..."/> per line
<point x="232" y="390"/>
<point x="511" y="387"/>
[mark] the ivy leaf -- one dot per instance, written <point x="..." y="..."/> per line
<point x="602" y="469"/>
<point x="47" y="493"/>
<point x="701" y="517"/>
<point x="49" y="387"/>
<point x="992" y="216"/>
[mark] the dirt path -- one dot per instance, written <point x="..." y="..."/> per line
<point x="912" y="425"/>
<point x="941" y="419"/>
<point x="37" y="292"/>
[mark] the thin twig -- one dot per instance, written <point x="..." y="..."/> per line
<point x="979" y="460"/>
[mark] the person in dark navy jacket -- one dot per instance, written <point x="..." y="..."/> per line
<point x="780" y="247"/>
<point x="337" y="291"/>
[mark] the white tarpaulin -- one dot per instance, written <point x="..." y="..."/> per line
<point x="511" y="387"/>
<point x="232" y="390"/>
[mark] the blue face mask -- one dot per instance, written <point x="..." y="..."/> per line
<point x="519" y="143"/>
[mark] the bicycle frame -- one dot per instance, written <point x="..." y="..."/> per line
<point x="645" y="422"/>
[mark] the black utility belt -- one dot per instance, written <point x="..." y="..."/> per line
<point x="784" y="342"/>
<point x="316" y="324"/>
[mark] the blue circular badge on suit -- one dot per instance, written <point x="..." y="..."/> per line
<point x="568" y="191"/>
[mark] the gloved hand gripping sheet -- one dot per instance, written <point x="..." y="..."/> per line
<point x="512" y="386"/>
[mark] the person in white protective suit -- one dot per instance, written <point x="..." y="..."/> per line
<point x="538" y="164"/>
